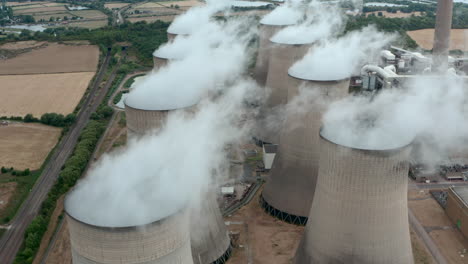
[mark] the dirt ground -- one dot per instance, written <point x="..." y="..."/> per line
<point x="420" y="252"/>
<point x="6" y="192"/>
<point x="22" y="45"/>
<point x="60" y="253"/>
<point x="263" y="238"/>
<point x="42" y="93"/>
<point x="397" y="14"/>
<point x="425" y="38"/>
<point x="53" y="58"/>
<point x="26" y="145"/>
<point x="443" y="232"/>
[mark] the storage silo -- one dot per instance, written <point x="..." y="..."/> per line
<point x="289" y="191"/>
<point x="163" y="241"/>
<point x="283" y="54"/>
<point x="359" y="213"/>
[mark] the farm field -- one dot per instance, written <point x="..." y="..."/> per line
<point x="31" y="11"/>
<point x="53" y="58"/>
<point x="425" y="38"/>
<point x="21" y="45"/>
<point x="87" y="24"/>
<point x="42" y="93"/>
<point x="25" y="146"/>
<point x="150" y="19"/>
<point x="90" y="14"/>
<point x="115" y="5"/>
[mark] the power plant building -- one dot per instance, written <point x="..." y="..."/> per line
<point x="289" y="191"/>
<point x="359" y="213"/>
<point x="283" y="54"/>
<point x="164" y="241"/>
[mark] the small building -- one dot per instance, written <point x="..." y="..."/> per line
<point x="228" y="191"/>
<point x="269" y="153"/>
<point x="457" y="208"/>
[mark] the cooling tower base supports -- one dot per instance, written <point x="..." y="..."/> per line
<point x="224" y="258"/>
<point x="283" y="216"/>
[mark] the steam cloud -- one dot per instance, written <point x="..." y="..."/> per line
<point x="338" y="59"/>
<point x="287" y="14"/>
<point x="430" y="108"/>
<point x="158" y="175"/>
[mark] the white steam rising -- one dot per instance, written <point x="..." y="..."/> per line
<point x="217" y="54"/>
<point x="190" y="21"/>
<point x="159" y="174"/>
<point x="322" y="22"/>
<point x="338" y="59"/>
<point x="430" y="108"/>
<point x="287" y="14"/>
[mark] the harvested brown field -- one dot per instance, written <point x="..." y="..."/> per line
<point x="54" y="58"/>
<point x="24" y="3"/>
<point x="150" y="19"/>
<point x="115" y="5"/>
<point x="425" y="38"/>
<point x="431" y="215"/>
<point x="6" y="192"/>
<point x="89" y="14"/>
<point x="26" y="145"/>
<point x="27" y="11"/>
<point x="42" y="93"/>
<point x="263" y="238"/>
<point x="186" y="3"/>
<point x="22" y="7"/>
<point x="22" y="45"/>
<point x="397" y="14"/>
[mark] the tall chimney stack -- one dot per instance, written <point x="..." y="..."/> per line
<point x="442" y="35"/>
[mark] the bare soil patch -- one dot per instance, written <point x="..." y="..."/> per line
<point x="429" y="213"/>
<point x="264" y="239"/>
<point x="425" y="38"/>
<point x="54" y="58"/>
<point x="22" y="45"/>
<point x="451" y="242"/>
<point x="42" y="93"/>
<point x="420" y="252"/>
<point x="6" y="192"/>
<point x="397" y="14"/>
<point x="26" y="145"/>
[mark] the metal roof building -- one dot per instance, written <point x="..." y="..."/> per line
<point x="359" y="213"/>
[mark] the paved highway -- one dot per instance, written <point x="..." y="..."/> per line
<point x="12" y="239"/>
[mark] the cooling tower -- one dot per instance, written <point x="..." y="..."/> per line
<point x="442" y="35"/>
<point x="159" y="61"/>
<point x="210" y="240"/>
<point x="261" y="66"/>
<point x="289" y="191"/>
<point x="359" y="213"/>
<point x="162" y="58"/>
<point x="171" y="36"/>
<point x="282" y="57"/>
<point x="141" y="121"/>
<point x="164" y="241"/>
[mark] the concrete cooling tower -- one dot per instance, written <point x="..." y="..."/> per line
<point x="359" y="213"/>
<point x="267" y="30"/>
<point x="282" y="57"/>
<point x="210" y="239"/>
<point x="161" y="59"/>
<point x="442" y="34"/>
<point x="164" y="241"/>
<point x="289" y="191"/>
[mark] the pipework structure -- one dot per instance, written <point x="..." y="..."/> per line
<point x="442" y="35"/>
<point x="359" y="213"/>
<point x="164" y="241"/>
<point x="282" y="56"/>
<point x="289" y="191"/>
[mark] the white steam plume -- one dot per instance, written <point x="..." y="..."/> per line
<point x="322" y="22"/>
<point x="218" y="54"/>
<point x="191" y="20"/>
<point x="339" y="58"/>
<point x="157" y="175"/>
<point x="289" y="13"/>
<point x="432" y="109"/>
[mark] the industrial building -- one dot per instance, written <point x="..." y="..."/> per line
<point x="283" y="54"/>
<point x="457" y="208"/>
<point x="359" y="213"/>
<point x="289" y="191"/>
<point x="166" y="240"/>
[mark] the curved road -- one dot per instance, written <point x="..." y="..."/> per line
<point x="12" y="239"/>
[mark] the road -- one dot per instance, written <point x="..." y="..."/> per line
<point x="12" y="239"/>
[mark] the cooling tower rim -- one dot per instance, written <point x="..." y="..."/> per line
<point x="371" y="151"/>
<point x="263" y="23"/>
<point x="178" y="32"/>
<point x="160" y="55"/>
<point x="295" y="76"/>
<point x="117" y="227"/>
<point x="167" y="109"/>
<point x="298" y="43"/>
